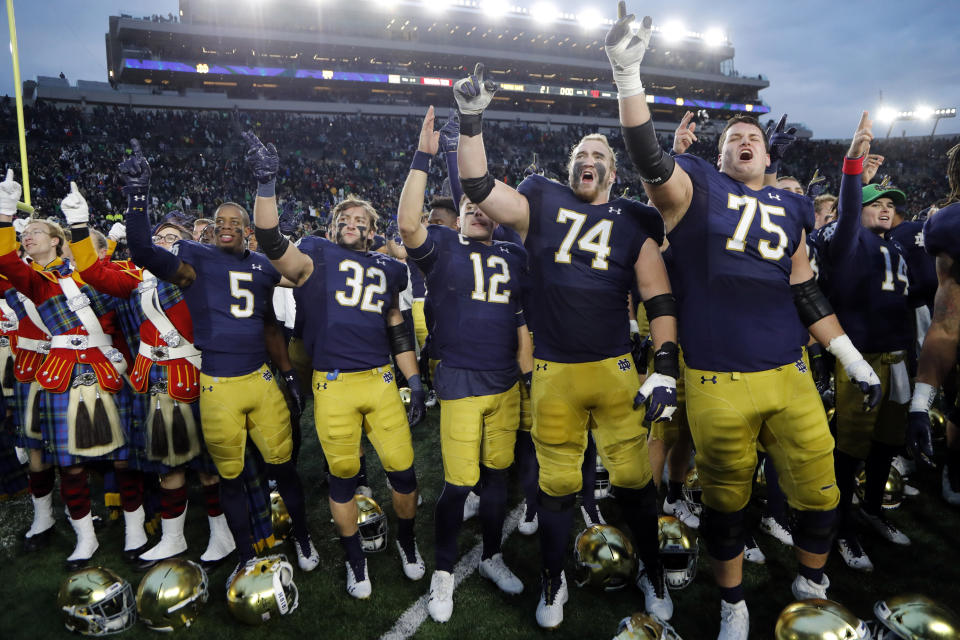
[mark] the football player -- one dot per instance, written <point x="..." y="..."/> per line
<point x="477" y="331"/>
<point x="866" y="278"/>
<point x="229" y="292"/>
<point x="584" y="251"/>
<point x="742" y="275"/>
<point x="84" y="416"/>
<point x="351" y="326"/>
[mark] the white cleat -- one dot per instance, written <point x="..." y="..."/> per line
<point x="804" y="588"/>
<point x="885" y="528"/>
<point x="431" y="400"/>
<point x="440" y="605"/>
<point x="413" y="568"/>
<point x="734" y="621"/>
<point x="772" y="527"/>
<point x="657" y="601"/>
<point x="307" y="561"/>
<point x="682" y="511"/>
<point x="550" y="607"/>
<point x="853" y="554"/>
<point x="365" y="491"/>
<point x="590" y="520"/>
<point x="471" y="506"/>
<point x="221" y="543"/>
<point x="528" y="527"/>
<point x="950" y="494"/>
<point x="87" y="543"/>
<point x="752" y="552"/>
<point x="496" y="571"/>
<point x="360" y="589"/>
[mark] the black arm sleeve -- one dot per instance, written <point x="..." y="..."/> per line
<point x="400" y="339"/>
<point x="811" y="304"/>
<point x="653" y="164"/>
<point x="662" y="305"/>
<point x="271" y="242"/>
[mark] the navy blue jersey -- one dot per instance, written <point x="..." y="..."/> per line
<point x="866" y="278"/>
<point x="229" y="302"/>
<point x="920" y="264"/>
<point x="581" y="261"/>
<point x="730" y="265"/>
<point x="941" y="231"/>
<point x="417" y="282"/>
<point x="506" y="234"/>
<point x="345" y="301"/>
<point x="475" y="296"/>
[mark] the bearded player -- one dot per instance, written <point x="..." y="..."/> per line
<point x="742" y="276"/>
<point x="352" y="324"/>
<point x="584" y="252"/>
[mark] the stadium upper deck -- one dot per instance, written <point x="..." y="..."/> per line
<point x="410" y="52"/>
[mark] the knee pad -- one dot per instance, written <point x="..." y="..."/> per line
<point x="403" y="481"/>
<point x="342" y="490"/>
<point x="813" y="531"/>
<point x="492" y="477"/>
<point x="556" y="503"/>
<point x="642" y="501"/>
<point x="723" y="533"/>
<point x="454" y="493"/>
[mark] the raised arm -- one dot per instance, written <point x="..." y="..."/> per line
<point x="20" y="275"/>
<point x="410" y="210"/>
<point x="502" y="203"/>
<point x="778" y="141"/>
<point x="449" y="139"/>
<point x="135" y="175"/>
<point x="264" y="161"/>
<point x="668" y="186"/>
<point x="842" y="247"/>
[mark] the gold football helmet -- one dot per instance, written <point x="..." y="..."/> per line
<point x="692" y="490"/>
<point x="910" y="617"/>
<point x="171" y="594"/>
<point x="817" y="619"/>
<point x="643" y="626"/>
<point x="601" y="486"/>
<point x="892" y="490"/>
<point x="282" y="524"/>
<point x="95" y="601"/>
<point x="604" y="558"/>
<point x="262" y="590"/>
<point x="405" y="395"/>
<point x="679" y="549"/>
<point x="938" y="423"/>
<point x="373" y="524"/>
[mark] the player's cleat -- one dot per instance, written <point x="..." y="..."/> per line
<point x="805" y="588"/>
<point x="365" y="491"/>
<point x="440" y="605"/>
<point x="221" y="543"/>
<point x="591" y="519"/>
<point x="950" y="493"/>
<point x="885" y="528"/>
<point x="309" y="561"/>
<point x="496" y="571"/>
<point x="734" y="621"/>
<point x="431" y="400"/>
<point x="172" y="543"/>
<point x="41" y="529"/>
<point x="87" y="543"/>
<point x="682" y="511"/>
<point x="656" y="597"/>
<point x="853" y="554"/>
<point x="134" y="536"/>
<point x="752" y="552"/>
<point x="471" y="506"/>
<point x="413" y="567"/>
<point x="360" y="589"/>
<point x="904" y="466"/>
<point x="550" y="607"/>
<point x="910" y="491"/>
<point x="771" y="526"/>
<point x="528" y="527"/>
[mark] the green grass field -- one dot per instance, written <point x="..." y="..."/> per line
<point x="30" y="582"/>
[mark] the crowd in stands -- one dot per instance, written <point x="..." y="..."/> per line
<point x="197" y="157"/>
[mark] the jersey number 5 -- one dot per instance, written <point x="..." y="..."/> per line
<point x="497" y="279"/>
<point x="596" y="240"/>
<point x="245" y="309"/>
<point x="358" y="293"/>
<point x="749" y="204"/>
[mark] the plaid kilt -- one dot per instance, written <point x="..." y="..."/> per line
<point x="13" y="474"/>
<point x="258" y="498"/>
<point x="56" y="431"/>
<point x="21" y="393"/>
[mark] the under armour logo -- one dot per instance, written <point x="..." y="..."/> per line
<point x="543" y="366"/>
<point x="918" y="239"/>
<point x="774" y="196"/>
<point x="388" y="377"/>
<point x="703" y="379"/>
<point x="381" y="261"/>
<point x="321" y="386"/>
<point x="203" y="388"/>
<point x="504" y="250"/>
<point x="258" y="267"/>
<point x="138" y="198"/>
<point x="615" y="210"/>
<point x="801" y="367"/>
<point x="624" y="364"/>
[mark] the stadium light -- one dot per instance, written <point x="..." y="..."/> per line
<point x="673" y="31"/>
<point x="886" y="114"/>
<point x="386" y="5"/>
<point x="923" y="112"/>
<point x="438" y="6"/>
<point x="494" y="8"/>
<point x="544" y="12"/>
<point x="714" y="37"/>
<point x="590" y="19"/>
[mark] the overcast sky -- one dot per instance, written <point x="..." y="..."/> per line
<point x="826" y="59"/>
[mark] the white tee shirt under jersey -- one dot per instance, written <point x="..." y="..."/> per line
<point x="284" y="306"/>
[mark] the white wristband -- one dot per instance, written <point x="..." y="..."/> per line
<point x="634" y="327"/>
<point x="844" y="351"/>
<point x="923" y="396"/>
<point x="628" y="82"/>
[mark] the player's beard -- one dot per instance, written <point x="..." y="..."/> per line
<point x="599" y="181"/>
<point x="360" y="244"/>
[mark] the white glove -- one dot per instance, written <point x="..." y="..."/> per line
<point x="10" y="192"/>
<point x="74" y="207"/>
<point x="474" y="93"/>
<point x="118" y="232"/>
<point x="19" y="224"/>
<point x="625" y="51"/>
<point x="858" y="370"/>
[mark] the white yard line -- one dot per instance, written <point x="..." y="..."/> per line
<point x="411" y="619"/>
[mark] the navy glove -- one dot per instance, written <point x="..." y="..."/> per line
<point x="640" y="350"/>
<point x="262" y="159"/>
<point x="418" y="399"/>
<point x="293" y="386"/>
<point x="526" y="379"/>
<point x="134" y="171"/>
<point x="450" y="132"/>
<point x="920" y="438"/>
<point x="818" y="184"/>
<point x="778" y="141"/>
<point x="533" y="168"/>
<point x="820" y="368"/>
<point x="661" y="387"/>
<point x="289" y="219"/>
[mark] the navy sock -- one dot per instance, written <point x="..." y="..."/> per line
<point x="878" y="469"/>
<point x="362" y="474"/>
<point x="353" y="548"/>
<point x="733" y="595"/>
<point x="291" y="490"/>
<point x="493" y="509"/>
<point x="233" y="501"/>
<point x="527" y="469"/>
<point x="448" y="519"/>
<point x="846" y="470"/>
<point x="405" y="537"/>
<point x="776" y="500"/>
<point x="815" y="575"/>
<point x="674" y="491"/>
<point x="589" y="471"/>
<point x="556" y="518"/>
<point x="639" y="509"/>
